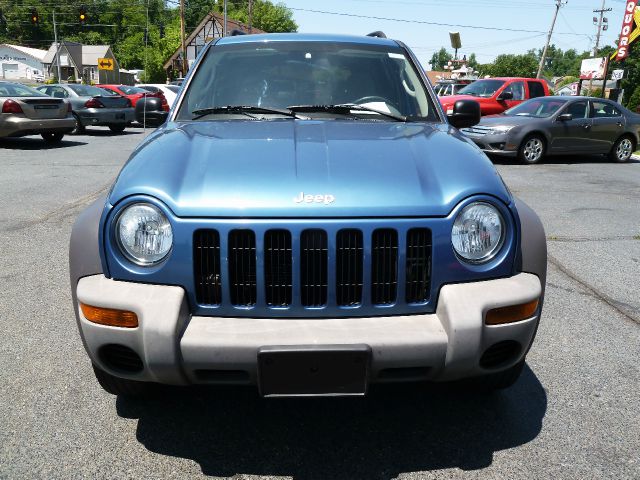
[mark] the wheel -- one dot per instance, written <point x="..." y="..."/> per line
<point x="79" y="129"/>
<point x="622" y="150"/>
<point x="121" y="386"/>
<point x="531" y="150"/>
<point x="117" y="128"/>
<point x="52" y="137"/>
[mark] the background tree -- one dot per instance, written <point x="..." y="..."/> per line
<point x="440" y="59"/>
<point x="509" y="65"/>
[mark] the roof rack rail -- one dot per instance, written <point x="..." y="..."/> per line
<point x="377" y="33"/>
<point x="235" y="32"/>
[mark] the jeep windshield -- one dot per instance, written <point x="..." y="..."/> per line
<point x="271" y="80"/>
<point x="482" y="88"/>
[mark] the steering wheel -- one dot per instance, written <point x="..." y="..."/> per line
<point x="376" y="98"/>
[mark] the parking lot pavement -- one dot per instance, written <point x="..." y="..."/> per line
<point x="572" y="415"/>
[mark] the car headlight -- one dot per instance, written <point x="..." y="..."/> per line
<point x="144" y="234"/>
<point x="501" y="129"/>
<point x="478" y="232"/>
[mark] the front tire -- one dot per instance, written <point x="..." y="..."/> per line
<point x="117" y="128"/>
<point x="622" y="150"/>
<point x="52" y="138"/>
<point x="532" y="150"/>
<point x="121" y="386"/>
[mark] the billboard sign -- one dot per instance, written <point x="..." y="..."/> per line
<point x="593" y="68"/>
<point x="630" y="29"/>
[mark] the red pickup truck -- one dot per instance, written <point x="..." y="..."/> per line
<point x="495" y="95"/>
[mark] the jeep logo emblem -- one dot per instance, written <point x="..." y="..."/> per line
<point x="308" y="198"/>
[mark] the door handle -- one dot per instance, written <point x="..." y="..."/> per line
<point x="619" y="124"/>
<point x="586" y="127"/>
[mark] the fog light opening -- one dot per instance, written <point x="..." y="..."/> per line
<point x="109" y="316"/>
<point x="512" y="313"/>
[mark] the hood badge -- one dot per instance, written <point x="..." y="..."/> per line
<point x="308" y="198"/>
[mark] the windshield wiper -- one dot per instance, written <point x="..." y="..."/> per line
<point x="344" y="109"/>
<point x="241" y="109"/>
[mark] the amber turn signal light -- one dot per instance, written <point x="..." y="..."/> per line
<point x="513" y="313"/>
<point x="109" y="316"/>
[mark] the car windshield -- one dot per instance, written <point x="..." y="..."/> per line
<point x="278" y="75"/>
<point x="18" y="90"/>
<point x="537" y="107"/>
<point x="87" y="90"/>
<point x="173" y="88"/>
<point x="482" y="88"/>
<point x="127" y="90"/>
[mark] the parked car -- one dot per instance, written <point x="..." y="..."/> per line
<point x="308" y="221"/>
<point x="177" y="82"/>
<point x="92" y="106"/>
<point x="495" y="95"/>
<point x="25" y="111"/>
<point x="447" y="88"/>
<point x="559" y="126"/>
<point x="170" y="91"/>
<point x="135" y="93"/>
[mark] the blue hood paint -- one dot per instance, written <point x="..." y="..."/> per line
<point x="249" y="168"/>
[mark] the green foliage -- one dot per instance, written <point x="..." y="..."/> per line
<point x="512" y="66"/>
<point x="440" y="59"/>
<point x="274" y="18"/>
<point x="634" y="99"/>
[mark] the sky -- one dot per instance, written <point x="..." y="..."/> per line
<point x="509" y="26"/>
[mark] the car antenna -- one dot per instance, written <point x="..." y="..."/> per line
<point x="377" y="33"/>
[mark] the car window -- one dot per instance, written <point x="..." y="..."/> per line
<point x="538" y="107"/>
<point x="108" y="92"/>
<point x="127" y="90"/>
<point x="482" y="88"/>
<point x="578" y="110"/>
<point x="58" y="92"/>
<point x="605" y="110"/>
<point x="17" y="90"/>
<point x="173" y="88"/>
<point x="86" y="90"/>
<point x="517" y="89"/>
<point x="149" y="88"/>
<point x="282" y="74"/>
<point x="535" y="89"/>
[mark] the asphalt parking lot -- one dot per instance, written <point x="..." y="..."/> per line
<point x="572" y="415"/>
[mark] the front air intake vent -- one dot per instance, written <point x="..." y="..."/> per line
<point x="349" y="252"/>
<point x="384" y="266"/>
<point x="206" y="263"/>
<point x="418" y="265"/>
<point x="277" y="268"/>
<point x="242" y="267"/>
<point x="313" y="268"/>
<point x="120" y="358"/>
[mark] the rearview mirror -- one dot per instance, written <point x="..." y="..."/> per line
<point x="466" y="113"/>
<point x="505" y="96"/>
<point x="565" y="117"/>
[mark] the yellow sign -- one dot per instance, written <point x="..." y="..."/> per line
<point x="630" y="30"/>
<point x="105" y="63"/>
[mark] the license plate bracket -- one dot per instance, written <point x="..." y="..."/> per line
<point x="331" y="370"/>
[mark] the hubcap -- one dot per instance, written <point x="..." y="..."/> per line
<point x="624" y="150"/>
<point x="533" y="150"/>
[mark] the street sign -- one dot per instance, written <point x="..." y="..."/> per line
<point x="105" y="63"/>
<point x="617" y="75"/>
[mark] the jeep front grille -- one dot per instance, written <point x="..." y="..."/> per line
<point x="308" y="268"/>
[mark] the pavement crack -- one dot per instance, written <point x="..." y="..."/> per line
<point x="60" y="212"/>
<point x="596" y="293"/>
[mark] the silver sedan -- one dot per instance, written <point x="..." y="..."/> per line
<point x="25" y="111"/>
<point x="559" y="126"/>
<point x="93" y="106"/>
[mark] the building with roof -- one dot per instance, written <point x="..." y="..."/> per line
<point x="210" y="28"/>
<point x="80" y="62"/>
<point x="21" y="63"/>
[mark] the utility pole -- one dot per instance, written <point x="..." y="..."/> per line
<point x="250" y="14"/>
<point x="55" y="39"/>
<point x="184" y="66"/>
<point x="224" y="27"/>
<point x="601" y="20"/>
<point x="559" y="3"/>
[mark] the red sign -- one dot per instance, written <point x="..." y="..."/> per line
<point x="627" y="28"/>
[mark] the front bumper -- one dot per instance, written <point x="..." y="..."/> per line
<point x="495" y="144"/>
<point x="20" y="125"/>
<point x="177" y="348"/>
<point x="105" y="116"/>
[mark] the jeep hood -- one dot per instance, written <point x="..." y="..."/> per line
<point x="294" y="168"/>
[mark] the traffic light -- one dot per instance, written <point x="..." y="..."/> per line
<point x="34" y="17"/>
<point x="82" y="15"/>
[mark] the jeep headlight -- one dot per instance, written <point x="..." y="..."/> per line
<point x="478" y="232"/>
<point x="144" y="234"/>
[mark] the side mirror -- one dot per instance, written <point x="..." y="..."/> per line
<point x="466" y="113"/>
<point x="505" y="96"/>
<point x="149" y="112"/>
<point x="565" y="117"/>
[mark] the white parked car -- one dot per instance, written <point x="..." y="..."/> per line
<point x="170" y="91"/>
